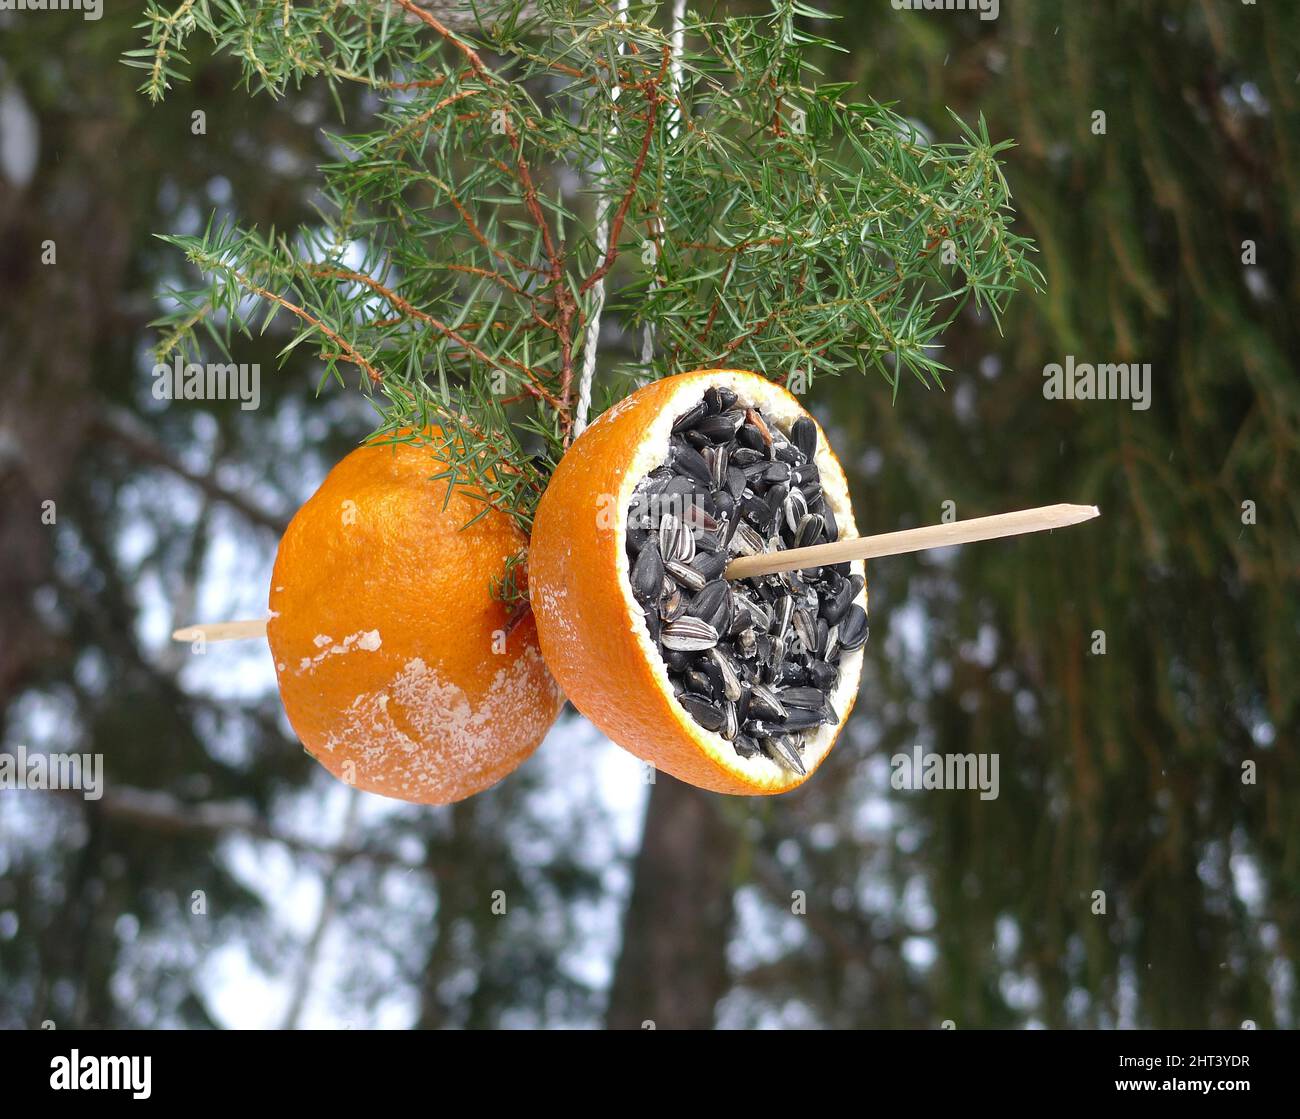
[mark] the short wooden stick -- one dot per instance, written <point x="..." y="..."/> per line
<point x="222" y="631"/>
<point x="913" y="540"/>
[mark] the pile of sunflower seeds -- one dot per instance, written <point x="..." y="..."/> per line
<point x="754" y="660"/>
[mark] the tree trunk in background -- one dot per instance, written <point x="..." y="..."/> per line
<point x="673" y="965"/>
<point x="55" y="320"/>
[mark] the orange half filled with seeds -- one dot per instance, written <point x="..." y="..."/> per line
<point x="738" y="686"/>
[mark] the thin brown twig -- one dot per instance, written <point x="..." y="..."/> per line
<point x="446" y="32"/>
<point x="535" y="387"/>
<point x="651" y="87"/>
<point x="347" y="351"/>
<point x="420" y="118"/>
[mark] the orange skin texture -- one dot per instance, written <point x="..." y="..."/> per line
<point x="583" y="621"/>
<point x="398" y="670"/>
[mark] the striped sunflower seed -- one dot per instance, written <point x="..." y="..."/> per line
<point x="731" y="687"/>
<point x="781" y="750"/>
<point x="688" y="635"/>
<point x="685" y="574"/>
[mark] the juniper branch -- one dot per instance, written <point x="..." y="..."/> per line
<point x="753" y="215"/>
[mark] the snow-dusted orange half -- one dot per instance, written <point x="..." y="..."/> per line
<point x="399" y="671"/>
<point x="594" y="632"/>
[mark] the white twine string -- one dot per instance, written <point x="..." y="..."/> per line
<point x="589" y="347"/>
<point x="592" y="335"/>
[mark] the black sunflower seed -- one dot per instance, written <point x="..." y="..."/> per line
<point x="756" y="512"/>
<point x="648" y="573"/>
<point x="823" y="675"/>
<point x="853" y="629"/>
<point x="791" y="674"/>
<point x="803" y="434"/>
<point x="690" y="418"/>
<point x="690" y="462"/>
<point x="710" y="597"/>
<point x="704" y="711"/>
<point x="729" y="531"/>
<point x="745" y="746"/>
<point x="803" y="475"/>
<point x="832" y="530"/>
<point x="777" y="472"/>
<point x="834" y="605"/>
<point x="698" y="683"/>
<point x="750" y="437"/>
<point x="807" y="699"/>
<point x="677" y="491"/>
<point x="636" y="537"/>
<point x="710" y="564"/>
<point x="675" y="660"/>
<point x="800" y="719"/>
<point x="719" y="429"/>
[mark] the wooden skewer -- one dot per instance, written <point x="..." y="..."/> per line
<point x="818" y="555"/>
<point x="913" y="540"/>
<point x="222" y="631"/>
